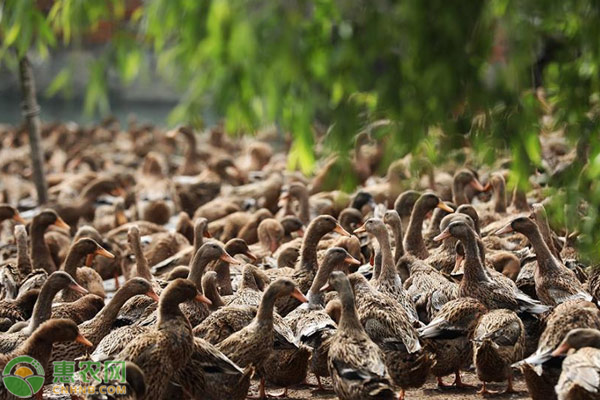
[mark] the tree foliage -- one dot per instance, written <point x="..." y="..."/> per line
<point x="467" y="69"/>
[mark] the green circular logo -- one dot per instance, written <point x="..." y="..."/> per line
<point x="23" y="381"/>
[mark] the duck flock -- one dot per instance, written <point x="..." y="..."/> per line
<point x="209" y="269"/>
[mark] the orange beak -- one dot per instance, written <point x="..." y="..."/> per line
<point x="203" y="299"/>
<point x="61" y="224"/>
<point x="207" y="234"/>
<point x="152" y="294"/>
<point x="338" y="228"/>
<point x="81" y="339"/>
<point x="274" y="246"/>
<point x="78" y="288"/>
<point x="445" y="207"/>
<point x="351" y="260"/>
<point x="228" y="259"/>
<point x="360" y="229"/>
<point x="101" y="251"/>
<point x="562" y="349"/>
<point x="459" y="259"/>
<point x="250" y="255"/>
<point x="297" y="294"/>
<point x="487" y="187"/>
<point x="507" y="228"/>
<point x="326" y="287"/>
<point x="17" y="217"/>
<point x="477" y="185"/>
<point x="372" y="260"/>
<point x="444" y="235"/>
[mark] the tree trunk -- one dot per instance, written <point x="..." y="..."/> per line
<point x="31" y="112"/>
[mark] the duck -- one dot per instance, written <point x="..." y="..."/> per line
<point x="15" y="271"/>
<point x="83" y="251"/>
<point x="254" y="343"/>
<point x="580" y="376"/>
<point x="41" y="258"/>
<point x="309" y="322"/>
<point x="413" y="241"/>
<point x="101" y="325"/>
<point x="42" y="310"/>
<point x="554" y="283"/>
<point x="80" y="310"/>
<point x="270" y="236"/>
<point x="463" y="178"/>
<point x="39" y="345"/>
<point x="541" y="370"/>
<point x="448" y="336"/>
<point x="249" y="293"/>
<point x="222" y="268"/>
<point x="209" y="288"/>
<point x="210" y="375"/>
<point x="356" y="364"/>
<point x="404" y="205"/>
<point x="388" y="325"/>
<point x="498" y="342"/>
<point x="166" y="348"/>
<point x="479" y="284"/>
<point x="305" y="269"/>
<point x="16" y="310"/>
<point x="388" y="281"/>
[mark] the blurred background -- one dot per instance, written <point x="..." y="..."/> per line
<point x="492" y="76"/>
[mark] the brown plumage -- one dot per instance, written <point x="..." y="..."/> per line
<point x="498" y="342"/>
<point x="80" y="310"/>
<point x="20" y="309"/>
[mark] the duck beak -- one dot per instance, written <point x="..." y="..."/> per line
<point x="487" y="187"/>
<point x="203" y="299"/>
<point x="251" y="255"/>
<point x="78" y="288"/>
<point x="207" y="234"/>
<point x="444" y="235"/>
<point x="152" y="294"/>
<point x="274" y="246"/>
<point x="61" y="224"/>
<point x="372" y="260"/>
<point x="326" y="287"/>
<point x="228" y="259"/>
<point x="17" y="217"/>
<point x="507" y="228"/>
<point x="562" y="349"/>
<point x="445" y="207"/>
<point x="360" y="229"/>
<point x="300" y="232"/>
<point x="338" y="228"/>
<point x="477" y="185"/>
<point x="351" y="260"/>
<point x="101" y="251"/>
<point x="297" y="294"/>
<point x="81" y="339"/>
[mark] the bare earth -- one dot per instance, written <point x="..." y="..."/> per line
<point x="429" y="391"/>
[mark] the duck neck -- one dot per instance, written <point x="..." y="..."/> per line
<point x="42" y="310"/>
<point x="308" y="252"/>
<point x="546" y="261"/>
<point x="211" y="292"/>
<point x="38" y="347"/>
<point x="265" y="309"/>
<point x="223" y="277"/>
<point x="104" y="320"/>
<point x="73" y="261"/>
<point x="141" y="264"/>
<point x="23" y="260"/>
<point x="388" y="268"/>
<point x="315" y="296"/>
<point x="199" y="263"/>
<point x="40" y="253"/>
<point x="500" y="198"/>
<point x="397" y="231"/>
<point x="413" y="242"/>
<point x="544" y="228"/>
<point x="349" y="317"/>
<point x="474" y="269"/>
<point x="458" y="193"/>
<point x="168" y="310"/>
<point x="304" y="212"/>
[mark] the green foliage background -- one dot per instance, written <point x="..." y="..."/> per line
<point x="463" y="68"/>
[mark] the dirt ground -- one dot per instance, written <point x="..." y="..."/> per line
<point x="428" y="391"/>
